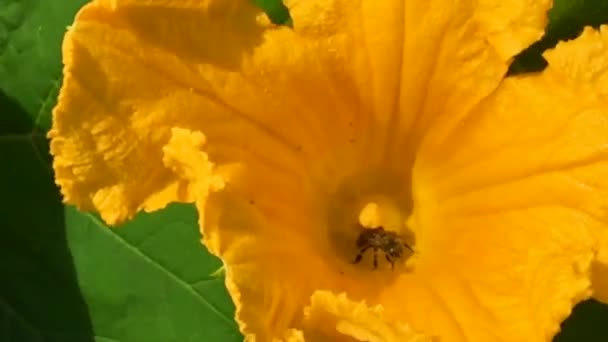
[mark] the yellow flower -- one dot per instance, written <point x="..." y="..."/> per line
<point x="389" y="115"/>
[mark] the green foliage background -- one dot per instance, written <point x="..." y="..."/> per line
<point x="66" y="277"/>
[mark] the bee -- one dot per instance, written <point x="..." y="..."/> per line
<point x="389" y="242"/>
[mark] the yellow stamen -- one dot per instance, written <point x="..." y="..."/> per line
<point x="382" y="213"/>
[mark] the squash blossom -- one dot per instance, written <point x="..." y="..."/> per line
<point x="370" y="174"/>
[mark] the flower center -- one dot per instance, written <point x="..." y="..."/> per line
<point x="385" y="215"/>
<point x="366" y="224"/>
<point x="381" y="233"/>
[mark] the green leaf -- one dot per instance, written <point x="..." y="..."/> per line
<point x="71" y="278"/>
<point x="276" y="11"/>
<point x="40" y="298"/>
<point x="65" y="275"/>
<point x="587" y="323"/>
<point x="31" y="32"/>
<point x="150" y="280"/>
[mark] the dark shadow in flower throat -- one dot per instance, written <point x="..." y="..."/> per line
<point x="344" y="229"/>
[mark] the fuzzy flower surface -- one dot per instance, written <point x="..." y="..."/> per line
<point x="367" y="175"/>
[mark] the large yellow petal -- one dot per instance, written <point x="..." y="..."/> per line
<point x="133" y="73"/>
<point x="509" y="276"/>
<point x="468" y="46"/>
<point x="271" y="266"/>
<point x="295" y="111"/>
<point x="600" y="277"/>
<point x="511" y="204"/>
<point x="207" y="63"/>
<point x="582" y="63"/>
<point x="293" y="268"/>
<point x="512" y="25"/>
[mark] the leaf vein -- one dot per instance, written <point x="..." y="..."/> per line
<point x="188" y="287"/>
<point x="22" y="319"/>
